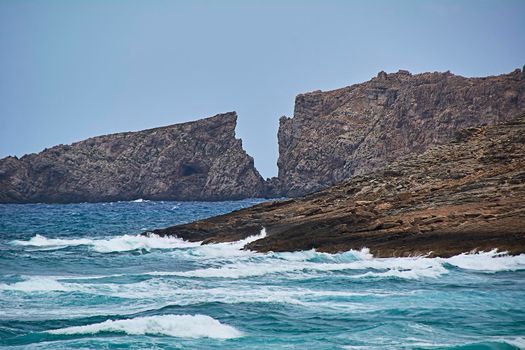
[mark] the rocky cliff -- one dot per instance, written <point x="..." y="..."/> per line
<point x="451" y="199"/>
<point x="199" y="160"/>
<point x="332" y="136"/>
<point x="350" y="131"/>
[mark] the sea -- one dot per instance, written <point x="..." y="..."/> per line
<point x="80" y="276"/>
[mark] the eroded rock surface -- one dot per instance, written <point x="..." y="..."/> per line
<point x="467" y="195"/>
<point x="336" y="134"/>
<point x="199" y="160"/>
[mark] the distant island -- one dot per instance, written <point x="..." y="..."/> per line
<point x="199" y="160"/>
<point x="332" y="137"/>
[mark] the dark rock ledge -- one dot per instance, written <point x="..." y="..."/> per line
<point x="465" y="196"/>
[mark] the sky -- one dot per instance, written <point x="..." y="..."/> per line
<point x="70" y="69"/>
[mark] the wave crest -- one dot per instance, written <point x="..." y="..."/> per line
<point x="182" y="326"/>
<point x="36" y="284"/>
<point x="116" y="244"/>
<point x="492" y="261"/>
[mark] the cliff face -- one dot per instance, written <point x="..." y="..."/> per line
<point x="354" y="130"/>
<point x="333" y="136"/>
<point x="199" y="160"/>
<point x="448" y="200"/>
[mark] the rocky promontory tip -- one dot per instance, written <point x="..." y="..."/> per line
<point x="465" y="196"/>
<point x="200" y="160"/>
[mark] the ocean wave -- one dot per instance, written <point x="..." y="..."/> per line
<point x="42" y="241"/>
<point x="158" y="292"/>
<point x="140" y="200"/>
<point x="492" y="261"/>
<point x="135" y="242"/>
<point x="249" y="264"/>
<point x="306" y="263"/>
<point x="116" y="244"/>
<point x="182" y="326"/>
<point x="223" y="250"/>
<point x="36" y="284"/>
<point x="409" y="268"/>
<point x="488" y="343"/>
<point x="236" y="262"/>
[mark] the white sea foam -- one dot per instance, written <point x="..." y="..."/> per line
<point x="169" y="292"/>
<point x="235" y="262"/>
<point x="110" y="245"/>
<point x="135" y="242"/>
<point x="224" y="250"/>
<point x="518" y="342"/>
<point x="130" y="242"/>
<point x="36" y="284"/>
<point x="41" y="241"/>
<point x="488" y="261"/>
<point x="156" y="293"/>
<point x="300" y="263"/>
<point x="306" y="263"/>
<point x="183" y="326"/>
<point x="140" y="200"/>
<point x="159" y="291"/>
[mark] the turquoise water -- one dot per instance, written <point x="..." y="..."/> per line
<point x="78" y="276"/>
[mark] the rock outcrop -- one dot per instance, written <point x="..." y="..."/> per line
<point x="350" y="131"/>
<point x="199" y="160"/>
<point x="333" y="136"/>
<point x="451" y="199"/>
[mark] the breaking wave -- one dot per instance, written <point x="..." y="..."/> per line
<point x="250" y="264"/>
<point x="135" y="242"/>
<point x="182" y="326"/>
<point x="140" y="200"/>
<point x="36" y="284"/>
<point x="116" y="244"/>
<point x="308" y="263"/>
<point x="167" y="289"/>
<point x="492" y="261"/>
<point x="236" y="263"/>
<point x="224" y="250"/>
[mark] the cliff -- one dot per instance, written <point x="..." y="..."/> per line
<point x="332" y="136"/>
<point x="199" y="160"/>
<point x="357" y="129"/>
<point x="467" y="195"/>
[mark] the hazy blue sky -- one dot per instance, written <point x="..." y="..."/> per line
<point x="74" y="69"/>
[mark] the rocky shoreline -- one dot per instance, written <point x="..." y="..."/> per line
<point x="468" y="195"/>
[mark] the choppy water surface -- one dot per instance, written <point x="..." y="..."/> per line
<point x="79" y="276"/>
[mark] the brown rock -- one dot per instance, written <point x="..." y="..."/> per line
<point x="440" y="222"/>
<point x="337" y="134"/>
<point x="199" y="160"/>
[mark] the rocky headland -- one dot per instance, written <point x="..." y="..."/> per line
<point x="199" y="160"/>
<point x="332" y="137"/>
<point x="337" y="134"/>
<point x="463" y="196"/>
